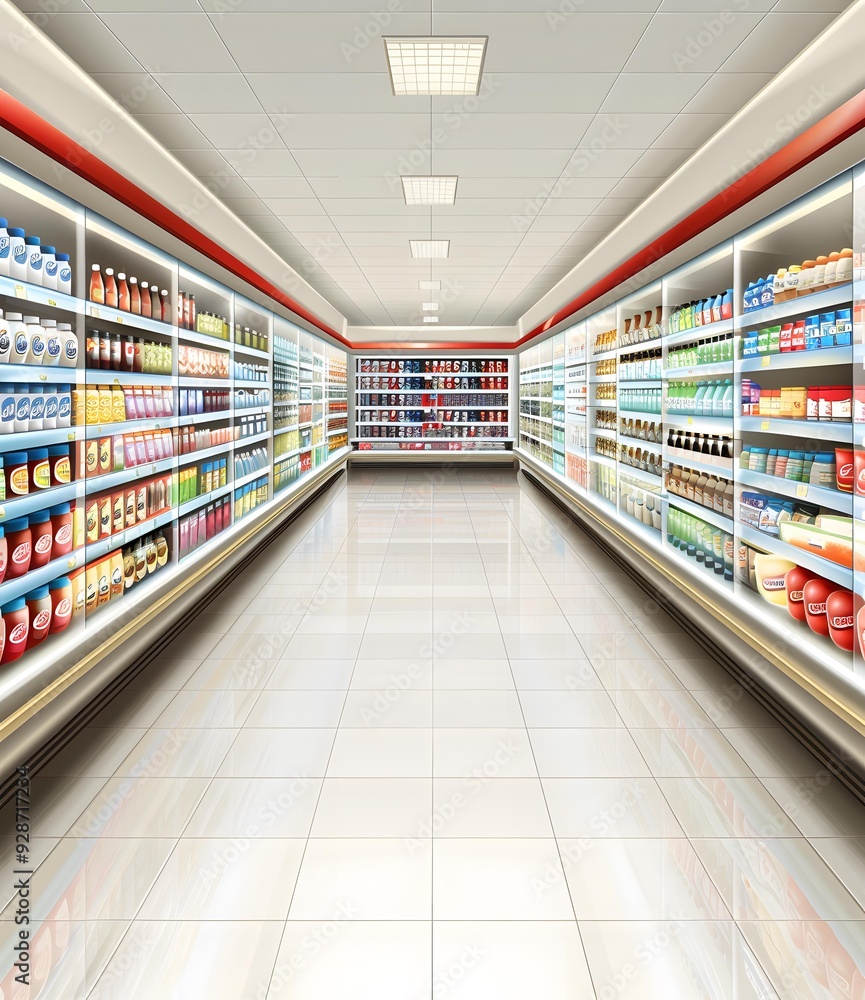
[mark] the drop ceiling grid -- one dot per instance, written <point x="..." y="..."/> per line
<point x="323" y="190"/>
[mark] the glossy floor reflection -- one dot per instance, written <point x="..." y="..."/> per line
<point x="437" y="744"/>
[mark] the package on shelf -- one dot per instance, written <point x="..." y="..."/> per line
<point x="32" y="541"/>
<point x="114" y="574"/>
<point x="708" y="489"/>
<point x="204" y="524"/>
<point x="790" y="282"/>
<point x="127" y="506"/>
<point x="27" y="258"/>
<point x="196" y="480"/>
<point x="198" y="362"/>
<point x="125" y="352"/>
<point x="816" y="402"/>
<point x="702" y="312"/>
<point x="707" y="544"/>
<point x="128" y="295"/>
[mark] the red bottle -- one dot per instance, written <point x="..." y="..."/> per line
<point x="16" y="618"/>
<point x="19" y="542"/>
<point x="39" y="606"/>
<point x="42" y="539"/>
<point x="122" y="292"/>
<point x="61" y="603"/>
<point x="134" y="297"/>
<point x="110" y="288"/>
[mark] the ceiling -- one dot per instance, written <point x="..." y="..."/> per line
<point x="286" y="113"/>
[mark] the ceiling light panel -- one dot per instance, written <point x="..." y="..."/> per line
<point x="429" y="190"/>
<point x="432" y="286"/>
<point x="435" y="66"/>
<point x="430" y="306"/>
<point x="430" y="248"/>
<point x="430" y="319"/>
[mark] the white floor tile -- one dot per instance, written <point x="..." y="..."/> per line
<point x="381" y="753"/>
<point x="609" y="807"/>
<point x="374" y="807"/>
<point x="587" y="753"/>
<point x="483" y="753"/>
<point x="256" y="807"/>
<point x="476" y="709"/>
<point x="478" y="675"/>
<point x="374" y="879"/>
<point x="296" y="710"/>
<point x="569" y="710"/>
<point x="278" y="753"/>
<point x="489" y="807"/>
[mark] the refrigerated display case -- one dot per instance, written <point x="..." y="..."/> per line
<point x="423" y="402"/>
<point x="723" y="404"/>
<point x="139" y="421"/>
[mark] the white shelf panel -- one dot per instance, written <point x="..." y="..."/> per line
<point x="834" y="499"/>
<point x="802" y="305"/>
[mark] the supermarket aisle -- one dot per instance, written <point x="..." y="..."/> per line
<point x="437" y="745"/>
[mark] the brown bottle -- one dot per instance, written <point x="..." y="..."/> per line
<point x="122" y="292"/>
<point x="134" y="297"/>
<point x="110" y="288"/>
<point x="146" y="305"/>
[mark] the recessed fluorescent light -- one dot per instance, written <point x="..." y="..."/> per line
<point x="429" y="190"/>
<point x="430" y="319"/>
<point x="432" y="286"/>
<point x="435" y="66"/>
<point x="430" y="248"/>
<point x="430" y="306"/>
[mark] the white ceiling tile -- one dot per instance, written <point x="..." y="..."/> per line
<point x="570" y="92"/>
<point x="38" y="7"/>
<point x="523" y="131"/>
<point x="174" y="131"/>
<point x="819" y="6"/>
<point x="263" y="224"/>
<point x="684" y="43"/>
<point x="281" y="187"/>
<point x="775" y="41"/>
<point x="604" y="162"/>
<point x="148" y="6"/>
<point x="226" y="186"/>
<point x="714" y="6"/>
<point x="588" y="42"/>
<point x="90" y="43"/>
<point x="361" y="131"/>
<point x="634" y="187"/>
<point x="618" y="206"/>
<point x="204" y="93"/>
<point x="600" y="224"/>
<point x="660" y="162"/>
<point x="295" y="206"/>
<point x="172" y="43"/>
<point x="727" y="93"/>
<point x="502" y="162"/>
<point x="138" y="92"/>
<point x="625" y="131"/>
<point x="690" y="131"/>
<point x="250" y="162"/>
<point x="419" y="228"/>
<point x="644" y="93"/>
<point x="532" y="188"/>
<point x="557" y="223"/>
<point x="248" y="132"/>
<point x="327" y="93"/>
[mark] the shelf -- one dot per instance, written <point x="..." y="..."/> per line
<point x="145" y="424"/>
<point x="216" y="450"/>
<point x="595" y="379"/>
<point x="819" y="430"/>
<point x="656" y="483"/>
<point x="603" y="432"/>
<point x="98" y="484"/>
<point x="251" y="383"/>
<point x="11" y="589"/>
<point x="697" y="465"/>
<point x="253" y="352"/>
<point x="640" y="383"/>
<point x="813" y="302"/>
<point x="699" y="371"/>
<point x="603" y="460"/>
<point x="14" y="507"/>
<point x="296" y="451"/>
<point x="339" y="430"/>
<point x="251" y="439"/>
<point x="39" y="296"/>
<point x="702" y="425"/>
<point x="251" y="477"/>
<point x="103" y="546"/>
<point x="41" y="439"/>
<point x="603" y="355"/>
<point x="203" y="382"/>
<point x="52" y="374"/>
<point x="706" y="514"/>
<point x="201" y="501"/>
<point x="205" y="339"/>
<point x="437" y="392"/>
<point x="99" y="377"/>
<point x="445" y="423"/>
<point x="842" y="575"/>
<point x="527" y="434"/>
<point x="204" y="418"/>
<point x="835" y="499"/>
<point x="535" y="416"/>
<point x="719" y="329"/>
<point x="640" y="415"/>
<point x="131" y="320"/>
<point x="246" y="411"/>
<point x="714" y="581"/>
<point x="798" y="359"/>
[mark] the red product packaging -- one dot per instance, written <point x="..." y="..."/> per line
<point x="844" y="469"/>
<point x="61" y="603"/>
<point x="814" y="595"/>
<point x="859" y="473"/>
<point x="839" y="613"/>
<point x="39" y="606"/>
<point x="3" y="553"/>
<point x="19" y="544"/>
<point x="16" y="619"/>
<point x="42" y="539"/>
<point x="794" y="581"/>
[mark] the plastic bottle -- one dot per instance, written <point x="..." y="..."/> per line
<point x="69" y="354"/>
<point x="36" y="349"/>
<point x="4" y="247"/>
<point x="22" y="409"/>
<point x="18" y="539"/>
<point x="42" y="538"/>
<point x="122" y="292"/>
<point x="64" y="273"/>
<point x="34" y="259"/>
<point x="97" y="285"/>
<point x="110" y="288"/>
<point x="49" y="267"/>
<point x="19" y="338"/>
<point x="37" y="408"/>
<point x="7" y="408"/>
<point x="60" y="591"/>
<point x="64" y="406"/>
<point x="53" y="343"/>
<point x="16" y="619"/>
<point x="134" y="296"/>
<point x="17" y="255"/>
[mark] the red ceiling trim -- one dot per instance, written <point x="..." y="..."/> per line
<point x="27" y="125"/>
<point x="829" y="132"/>
<point x="837" y="126"/>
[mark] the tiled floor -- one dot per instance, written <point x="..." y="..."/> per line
<point x="436" y="744"/>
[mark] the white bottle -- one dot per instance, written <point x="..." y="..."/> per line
<point x="7" y="408"/>
<point x="36" y="351"/>
<point x="37" y="407"/>
<point x="64" y="406"/>
<point x="20" y="339"/>
<point x="5" y="340"/>
<point x="34" y="259"/>
<point x="17" y="255"/>
<point x="64" y="273"/>
<point x="53" y="343"/>
<point x="52" y="403"/>
<point x="4" y="247"/>
<point x="49" y="268"/>
<point x="69" y="352"/>
<point x="22" y="409"/>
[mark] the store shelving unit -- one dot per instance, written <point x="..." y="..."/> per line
<point x="428" y="402"/>
<point x="688" y="509"/>
<point x="169" y="424"/>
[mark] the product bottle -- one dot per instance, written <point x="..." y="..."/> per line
<point x="146" y="301"/>
<point x="110" y="288"/>
<point x="60" y="591"/>
<point x="19" y="338"/>
<point x="17" y="255"/>
<point x="16" y="619"/>
<point x="49" y="267"/>
<point x="134" y="297"/>
<point x="97" y="285"/>
<point x="155" y="303"/>
<point x="34" y="259"/>
<point x="64" y="273"/>
<point x="122" y="292"/>
<point x="36" y="350"/>
<point x="53" y="343"/>
<point x="4" y="247"/>
<point x="165" y="306"/>
<point x="69" y="352"/>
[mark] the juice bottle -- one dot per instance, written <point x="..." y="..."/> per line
<point x="122" y="292"/>
<point x="134" y="296"/>
<point x="110" y="288"/>
<point x="97" y="286"/>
